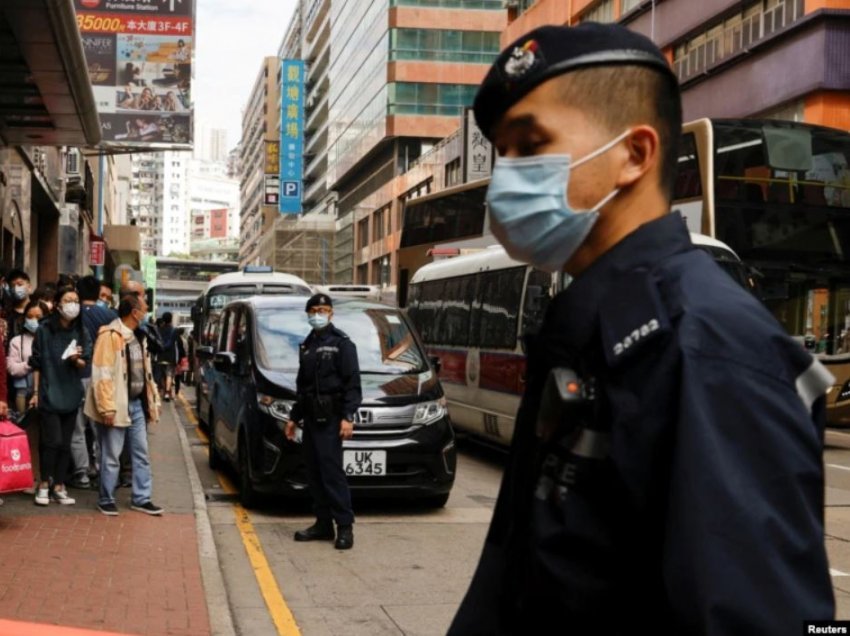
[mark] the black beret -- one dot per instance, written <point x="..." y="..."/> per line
<point x="318" y="299"/>
<point x="553" y="50"/>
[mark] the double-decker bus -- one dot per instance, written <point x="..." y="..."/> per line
<point x="471" y="312"/>
<point x="778" y="193"/>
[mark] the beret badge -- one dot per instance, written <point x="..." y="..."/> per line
<point x="521" y="60"/>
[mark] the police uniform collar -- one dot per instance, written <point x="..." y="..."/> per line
<point x="649" y="244"/>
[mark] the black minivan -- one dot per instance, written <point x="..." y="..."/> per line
<point x="403" y="442"/>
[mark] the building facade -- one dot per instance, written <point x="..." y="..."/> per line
<point x="259" y="129"/>
<point x="786" y="59"/>
<point x="400" y="74"/>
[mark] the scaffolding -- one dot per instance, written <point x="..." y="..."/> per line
<point x="303" y="247"/>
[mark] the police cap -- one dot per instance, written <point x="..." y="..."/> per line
<point x="554" y="50"/>
<point x="318" y="299"/>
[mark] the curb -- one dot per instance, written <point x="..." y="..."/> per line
<point x="218" y="605"/>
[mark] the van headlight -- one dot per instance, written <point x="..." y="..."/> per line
<point x="429" y="412"/>
<point x="277" y="408"/>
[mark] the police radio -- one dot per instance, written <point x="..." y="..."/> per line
<point x="573" y="446"/>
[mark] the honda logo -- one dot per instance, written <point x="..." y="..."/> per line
<point x="364" y="416"/>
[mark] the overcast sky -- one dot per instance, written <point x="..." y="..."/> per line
<point x="233" y="36"/>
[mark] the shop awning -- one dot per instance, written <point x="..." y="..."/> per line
<point x="45" y="95"/>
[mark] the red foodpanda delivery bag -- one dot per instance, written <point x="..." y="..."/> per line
<point x="15" y="462"/>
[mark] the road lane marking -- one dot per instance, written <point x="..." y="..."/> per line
<point x="837" y="573"/>
<point x="838" y="466"/>
<point x="280" y="613"/>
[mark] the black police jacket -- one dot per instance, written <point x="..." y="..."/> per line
<point x="328" y="368"/>
<point x="687" y="497"/>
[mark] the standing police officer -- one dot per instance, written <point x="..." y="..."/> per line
<point x="666" y="471"/>
<point x="329" y="395"/>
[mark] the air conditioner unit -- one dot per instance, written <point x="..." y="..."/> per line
<point x="73" y="159"/>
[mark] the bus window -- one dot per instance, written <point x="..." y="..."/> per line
<point x="494" y="315"/>
<point x="457" y="307"/>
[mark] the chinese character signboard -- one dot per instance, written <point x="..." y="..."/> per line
<point x="477" y="151"/>
<point x="97" y="251"/>
<point x="291" y="136"/>
<point x="271" y="189"/>
<point x="139" y="58"/>
<point x="272" y="158"/>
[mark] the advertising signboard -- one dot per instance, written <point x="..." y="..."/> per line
<point x="139" y="58"/>
<point x="291" y="136"/>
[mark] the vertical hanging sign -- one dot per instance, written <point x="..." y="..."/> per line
<point x="291" y="136"/>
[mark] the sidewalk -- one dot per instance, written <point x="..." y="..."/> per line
<point x="135" y="574"/>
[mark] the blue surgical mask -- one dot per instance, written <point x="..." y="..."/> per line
<point x="20" y="292"/>
<point x="102" y="303"/>
<point x="530" y="213"/>
<point x="31" y="325"/>
<point x="318" y="321"/>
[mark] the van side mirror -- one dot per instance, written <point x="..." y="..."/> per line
<point x="224" y="361"/>
<point x="436" y="364"/>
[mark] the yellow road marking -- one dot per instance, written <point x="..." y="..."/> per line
<point x="281" y="615"/>
<point x="278" y="609"/>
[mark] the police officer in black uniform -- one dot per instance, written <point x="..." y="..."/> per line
<point x="329" y="395"/>
<point x="666" y="470"/>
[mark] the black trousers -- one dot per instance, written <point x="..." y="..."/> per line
<point x="56" y="432"/>
<point x="325" y="475"/>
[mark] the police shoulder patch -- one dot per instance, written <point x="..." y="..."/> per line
<point x="631" y="316"/>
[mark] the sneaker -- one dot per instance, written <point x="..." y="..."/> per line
<point x="109" y="509"/>
<point x="61" y="497"/>
<point x="148" y="508"/>
<point x="81" y="483"/>
<point x="42" y="497"/>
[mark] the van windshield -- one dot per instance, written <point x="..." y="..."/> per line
<point x="218" y="297"/>
<point x="385" y="345"/>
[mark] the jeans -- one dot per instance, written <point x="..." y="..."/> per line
<point x="56" y="431"/>
<point x="79" y="446"/>
<point x="111" y="442"/>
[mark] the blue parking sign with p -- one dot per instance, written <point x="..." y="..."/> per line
<point x="292" y="136"/>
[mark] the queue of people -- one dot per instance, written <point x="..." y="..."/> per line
<point x="64" y="347"/>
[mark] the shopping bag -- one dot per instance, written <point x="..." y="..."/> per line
<point x="15" y="463"/>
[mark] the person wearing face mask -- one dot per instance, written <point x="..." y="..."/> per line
<point x="94" y="315"/>
<point x="122" y="400"/>
<point x="667" y="456"/>
<point x="18" y="298"/>
<point x="328" y="396"/>
<point x="60" y="351"/>
<point x="17" y="364"/>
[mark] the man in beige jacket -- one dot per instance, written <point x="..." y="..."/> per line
<point x="122" y="400"/>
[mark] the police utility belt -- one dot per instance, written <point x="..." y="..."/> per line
<point x="323" y="408"/>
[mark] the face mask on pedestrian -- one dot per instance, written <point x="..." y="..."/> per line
<point x="69" y="311"/>
<point x="102" y="303"/>
<point x="530" y="213"/>
<point x="318" y="321"/>
<point x="31" y="324"/>
<point x="20" y="292"/>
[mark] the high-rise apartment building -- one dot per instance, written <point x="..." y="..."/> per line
<point x="785" y="59"/>
<point x="210" y="144"/>
<point x="158" y="202"/>
<point x="259" y="128"/>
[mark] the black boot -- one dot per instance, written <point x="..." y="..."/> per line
<point x="320" y="531"/>
<point x="344" y="538"/>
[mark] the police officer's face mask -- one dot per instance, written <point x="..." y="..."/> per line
<point x="318" y="321"/>
<point x="530" y="213"/>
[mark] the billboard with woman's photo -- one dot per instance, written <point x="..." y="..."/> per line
<point x="140" y="67"/>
